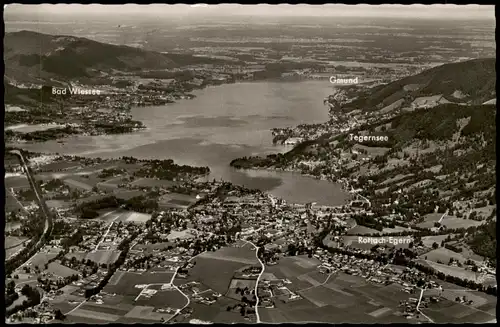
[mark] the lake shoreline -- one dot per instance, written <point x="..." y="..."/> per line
<point x="199" y="132"/>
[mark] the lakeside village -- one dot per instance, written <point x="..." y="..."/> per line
<point x="147" y="216"/>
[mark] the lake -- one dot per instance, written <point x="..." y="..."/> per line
<point x="222" y="123"/>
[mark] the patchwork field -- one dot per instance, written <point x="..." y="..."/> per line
<point x="299" y="270"/>
<point x="344" y="299"/>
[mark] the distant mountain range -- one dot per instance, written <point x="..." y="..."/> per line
<point x="472" y="82"/>
<point x="32" y="57"/>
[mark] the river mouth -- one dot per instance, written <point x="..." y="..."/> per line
<point x="222" y="123"/>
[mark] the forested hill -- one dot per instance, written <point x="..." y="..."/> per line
<point x="472" y="81"/>
<point x="32" y="57"/>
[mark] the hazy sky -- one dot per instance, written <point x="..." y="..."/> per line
<point x="439" y="11"/>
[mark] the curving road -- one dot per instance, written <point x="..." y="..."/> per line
<point x="258" y="279"/>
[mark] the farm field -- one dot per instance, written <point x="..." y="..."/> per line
<point x="214" y="273"/>
<point x="123" y="215"/>
<point x="429" y="240"/>
<point x="17" y="302"/>
<point x="362" y="230"/>
<point x="17" y="182"/>
<point x="244" y="255"/>
<point x="481" y="301"/>
<point x="94" y="317"/>
<point x="12" y="251"/>
<point x="117" y="309"/>
<point x="103" y="256"/>
<point x="345" y="299"/>
<point x="372" y="151"/>
<point x="67" y="301"/>
<point x="58" y="204"/>
<point x="78" y="183"/>
<point x="448" y="221"/>
<point x="443" y="255"/>
<point x="147" y="312"/>
<point x="297" y="270"/>
<point x="58" y="166"/>
<point x="59" y="270"/>
<point x="216" y="312"/>
<point x="446" y="311"/>
<point x="82" y="317"/>
<point x="11" y="204"/>
<point x="453" y="271"/>
<point x="455" y="222"/>
<point x="241" y="283"/>
<point x="185" y="234"/>
<point x="128" y="194"/>
<point x="40" y="259"/>
<point x="14" y="241"/>
<point x="149" y="248"/>
<point x="123" y="283"/>
<point x="78" y="255"/>
<point x="396" y="229"/>
<point x="484" y="211"/>
<point x="429" y="220"/>
<point x="163" y="299"/>
<point x="151" y="182"/>
<point x="176" y="200"/>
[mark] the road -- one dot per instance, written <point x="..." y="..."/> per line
<point x="418" y="305"/>
<point x="444" y="214"/>
<point x="11" y="190"/>
<point x="180" y="291"/>
<point x="41" y="203"/>
<point x="106" y="234"/>
<point x="258" y="279"/>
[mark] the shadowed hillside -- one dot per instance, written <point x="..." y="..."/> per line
<point x="475" y="79"/>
